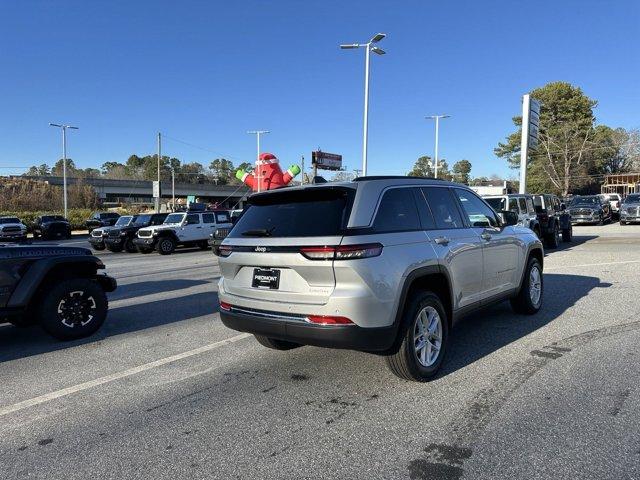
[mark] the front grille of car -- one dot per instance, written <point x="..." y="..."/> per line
<point x="10" y="229"/>
<point x="581" y="211"/>
<point x="114" y="233"/>
<point x="221" y="233"/>
<point x="96" y="233"/>
<point x="144" y="233"/>
<point x="57" y="228"/>
<point x="633" y="210"/>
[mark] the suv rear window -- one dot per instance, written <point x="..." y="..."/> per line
<point x="314" y="212"/>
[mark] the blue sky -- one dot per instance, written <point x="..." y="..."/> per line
<point x="206" y="72"/>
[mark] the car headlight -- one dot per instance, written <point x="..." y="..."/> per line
<point x="123" y="234"/>
<point x="155" y="234"/>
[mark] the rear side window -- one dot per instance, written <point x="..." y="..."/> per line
<point x="523" y="205"/>
<point x="208" y="218"/>
<point x="513" y="205"/>
<point x="313" y="212"/>
<point x="532" y="210"/>
<point x="478" y="213"/>
<point x="157" y="219"/>
<point x="222" y="217"/>
<point x="397" y="212"/>
<point x="445" y="212"/>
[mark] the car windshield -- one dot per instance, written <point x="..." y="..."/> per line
<point x="124" y="221"/>
<point x="301" y="213"/>
<point x="585" y="201"/>
<point x="498" y="204"/>
<point x="174" y="218"/>
<point x="632" y="199"/>
<point x="141" y="219"/>
<point x="9" y="220"/>
<point x="53" y="218"/>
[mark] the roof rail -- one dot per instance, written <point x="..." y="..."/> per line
<point x="393" y="177"/>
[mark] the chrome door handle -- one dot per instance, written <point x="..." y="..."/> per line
<point x="441" y="240"/>
<point x="485" y="236"/>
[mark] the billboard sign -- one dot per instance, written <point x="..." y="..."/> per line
<point x="534" y="122"/>
<point x="326" y="161"/>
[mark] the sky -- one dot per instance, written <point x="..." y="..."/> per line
<point x="204" y="72"/>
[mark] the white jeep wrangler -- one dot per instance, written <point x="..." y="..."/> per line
<point x="188" y="229"/>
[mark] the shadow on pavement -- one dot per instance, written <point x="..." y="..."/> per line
<point x="577" y="240"/>
<point x="139" y="289"/>
<point x="486" y="331"/>
<point x="18" y="343"/>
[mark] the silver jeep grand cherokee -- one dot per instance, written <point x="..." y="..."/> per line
<point x="382" y="264"/>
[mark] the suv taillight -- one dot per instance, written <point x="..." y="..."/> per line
<point x="225" y="250"/>
<point x="342" y="252"/>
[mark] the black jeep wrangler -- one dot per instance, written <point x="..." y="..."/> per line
<point x="55" y="286"/>
<point x="120" y="236"/>
<point x="554" y="219"/>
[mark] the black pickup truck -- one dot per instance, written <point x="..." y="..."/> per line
<point x="54" y="286"/>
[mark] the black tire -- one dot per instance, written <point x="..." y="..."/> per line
<point x="129" y="246"/>
<point x="536" y="230"/>
<point x="275" y="344"/>
<point x="73" y="309"/>
<point x="203" y="245"/>
<point x="98" y="248"/>
<point x="523" y="302"/>
<point x="68" y="236"/>
<point x="166" y="245"/>
<point x="114" y="248"/>
<point x="567" y="234"/>
<point x="601" y="221"/>
<point x="622" y="223"/>
<point x="553" y="240"/>
<point x="405" y="362"/>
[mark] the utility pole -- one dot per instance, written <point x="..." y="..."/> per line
<point x="173" y="189"/>
<point x="257" y="133"/>
<point x="437" y="119"/>
<point x="159" y="156"/>
<point x="302" y="169"/>
<point x="524" y="143"/>
<point x="64" y="161"/>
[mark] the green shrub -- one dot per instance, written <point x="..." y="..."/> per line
<point x="77" y="216"/>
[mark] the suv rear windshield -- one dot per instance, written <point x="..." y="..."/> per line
<point x="314" y="212"/>
<point x="498" y="204"/>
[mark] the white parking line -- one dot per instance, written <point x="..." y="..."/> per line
<point x="591" y="265"/>
<point x="117" y="376"/>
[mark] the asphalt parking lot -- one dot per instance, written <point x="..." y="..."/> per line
<point x="164" y="390"/>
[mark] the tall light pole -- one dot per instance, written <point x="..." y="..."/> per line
<point x="369" y="47"/>
<point x="64" y="161"/>
<point x="257" y="133"/>
<point x="157" y="201"/>
<point x="437" y="119"/>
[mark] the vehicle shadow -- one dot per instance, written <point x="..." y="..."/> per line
<point x="18" y="343"/>
<point x="575" y="241"/>
<point x="139" y="289"/>
<point x="486" y="331"/>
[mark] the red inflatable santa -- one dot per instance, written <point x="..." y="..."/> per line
<point x="267" y="174"/>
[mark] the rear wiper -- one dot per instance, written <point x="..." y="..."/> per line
<point x="259" y="232"/>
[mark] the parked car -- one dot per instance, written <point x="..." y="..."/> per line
<point x="54" y="286"/>
<point x="181" y="229"/>
<point x="235" y="215"/>
<point x="216" y="238"/>
<point x="589" y="209"/>
<point x="96" y="238"/>
<point x="630" y="209"/>
<point x="521" y="204"/>
<point x="51" y="226"/>
<point x="12" y="230"/>
<point x="553" y="218"/>
<point x="101" y="219"/>
<point x="380" y="264"/>
<point x="614" y="201"/>
<point x="121" y="235"/>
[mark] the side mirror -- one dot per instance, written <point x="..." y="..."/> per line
<point x="508" y="218"/>
<point x="563" y="206"/>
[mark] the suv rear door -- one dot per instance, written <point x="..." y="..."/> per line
<point x="270" y="238"/>
<point x="459" y="249"/>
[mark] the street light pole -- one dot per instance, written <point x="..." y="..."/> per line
<point x="64" y="161"/>
<point x="257" y="133"/>
<point x="159" y="154"/>
<point x="369" y="47"/>
<point x="437" y="119"/>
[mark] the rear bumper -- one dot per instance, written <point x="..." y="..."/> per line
<point x="271" y="325"/>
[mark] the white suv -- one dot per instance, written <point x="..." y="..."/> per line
<point x="187" y="229"/>
<point x="380" y="264"/>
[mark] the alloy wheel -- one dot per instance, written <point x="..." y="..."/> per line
<point x="427" y="334"/>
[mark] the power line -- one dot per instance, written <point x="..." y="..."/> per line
<point x="215" y="152"/>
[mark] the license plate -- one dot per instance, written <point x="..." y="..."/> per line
<point x="266" y="278"/>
